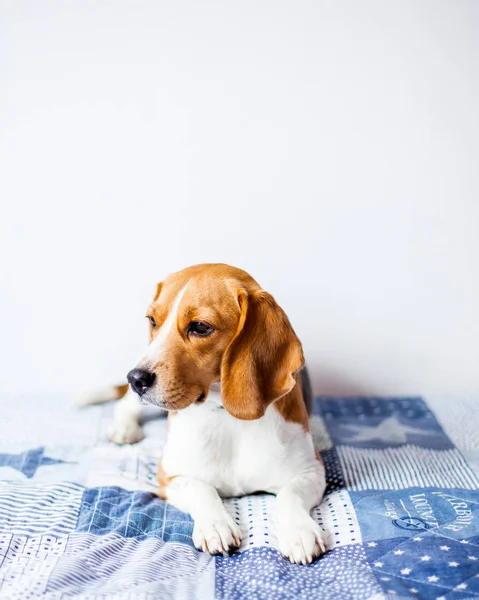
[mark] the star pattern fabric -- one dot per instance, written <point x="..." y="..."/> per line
<point x="382" y="423"/>
<point x="424" y="567"/>
<point x="28" y="462"/>
<point x="389" y="431"/>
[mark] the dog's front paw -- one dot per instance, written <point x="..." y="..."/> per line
<point x="125" y="432"/>
<point x="301" y="542"/>
<point x="217" y="536"/>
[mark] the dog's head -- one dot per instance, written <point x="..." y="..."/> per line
<point x="213" y="323"/>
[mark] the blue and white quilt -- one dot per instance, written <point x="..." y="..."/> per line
<point x="79" y="517"/>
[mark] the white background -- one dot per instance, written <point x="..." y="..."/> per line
<point x="329" y="148"/>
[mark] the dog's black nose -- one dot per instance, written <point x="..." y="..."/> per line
<point x="141" y="380"/>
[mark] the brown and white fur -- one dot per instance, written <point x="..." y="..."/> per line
<point x="225" y="362"/>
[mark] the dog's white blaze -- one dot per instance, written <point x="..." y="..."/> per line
<point x="155" y="350"/>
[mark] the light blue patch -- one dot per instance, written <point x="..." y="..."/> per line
<point x="414" y="511"/>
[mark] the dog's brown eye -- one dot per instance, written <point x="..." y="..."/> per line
<point x="200" y="329"/>
<point x="152" y="321"/>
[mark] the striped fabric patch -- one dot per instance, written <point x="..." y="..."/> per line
<point x="40" y="508"/>
<point x="404" y="467"/>
<point x="115" y="567"/>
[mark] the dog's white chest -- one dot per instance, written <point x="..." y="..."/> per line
<point x="236" y="457"/>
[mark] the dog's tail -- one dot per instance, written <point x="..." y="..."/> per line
<point x="101" y="395"/>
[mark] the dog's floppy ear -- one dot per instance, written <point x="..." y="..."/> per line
<point x="259" y="364"/>
<point x="158" y="291"/>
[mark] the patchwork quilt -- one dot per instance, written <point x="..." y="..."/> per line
<point x="79" y="517"/>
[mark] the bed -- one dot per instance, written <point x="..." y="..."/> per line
<point x="79" y="517"/>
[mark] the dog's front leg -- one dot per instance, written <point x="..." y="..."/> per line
<point x="214" y="530"/>
<point x="300" y="537"/>
<point x="125" y="428"/>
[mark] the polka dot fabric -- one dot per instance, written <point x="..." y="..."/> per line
<point x="27" y="564"/>
<point x="334" y="474"/>
<point x="255" y="516"/>
<point x="263" y="574"/>
<point x="337" y="518"/>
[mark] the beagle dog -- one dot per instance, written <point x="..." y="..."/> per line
<point x="226" y="364"/>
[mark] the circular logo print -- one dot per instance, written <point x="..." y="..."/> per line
<point x="411" y="523"/>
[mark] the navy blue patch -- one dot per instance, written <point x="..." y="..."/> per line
<point x="429" y="565"/>
<point x="137" y="515"/>
<point x="334" y="474"/>
<point x="381" y="422"/>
